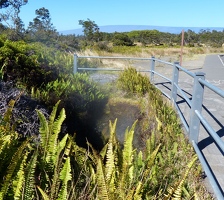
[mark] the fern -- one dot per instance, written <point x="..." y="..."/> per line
<point x="44" y="133"/>
<point x="29" y="178"/>
<point x="101" y="182"/>
<point x="110" y="158"/>
<point x="127" y="158"/>
<point x="18" y="182"/>
<point x="11" y="169"/>
<point x="53" y="139"/>
<point x="44" y="195"/>
<point x="176" y="192"/>
<point x="65" y="176"/>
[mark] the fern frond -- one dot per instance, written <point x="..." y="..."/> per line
<point x="18" y="183"/>
<point x="150" y="144"/>
<point x="65" y="176"/>
<point x="140" y="162"/>
<point x="5" y="140"/>
<point x="176" y="192"/>
<point x="30" y="177"/>
<point x="137" y="194"/>
<point x="57" y="165"/>
<point x="53" y="140"/>
<point x="68" y="146"/>
<point x="101" y="182"/>
<point x="127" y="158"/>
<point x="103" y="152"/>
<point x="149" y="165"/>
<point x="44" y="195"/>
<point x="58" y="122"/>
<point x="11" y="169"/>
<point x="128" y="147"/>
<point x="110" y="167"/>
<point x="53" y="114"/>
<point x="44" y="132"/>
<point x="151" y="158"/>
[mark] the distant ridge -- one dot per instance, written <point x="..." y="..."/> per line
<point x="128" y="28"/>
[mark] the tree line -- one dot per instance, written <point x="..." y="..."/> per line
<point x="41" y="29"/>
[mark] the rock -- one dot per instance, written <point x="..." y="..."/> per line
<point x="24" y="115"/>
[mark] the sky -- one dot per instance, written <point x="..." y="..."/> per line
<point x="65" y="15"/>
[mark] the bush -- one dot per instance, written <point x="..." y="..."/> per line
<point x="134" y="82"/>
<point x="121" y="39"/>
<point x="32" y="64"/>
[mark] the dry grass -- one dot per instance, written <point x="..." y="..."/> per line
<point x="158" y="52"/>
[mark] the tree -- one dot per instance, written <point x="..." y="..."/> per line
<point x="121" y="39"/>
<point x="41" y="29"/>
<point x="4" y="3"/>
<point x="191" y="37"/>
<point x="10" y="17"/>
<point x="91" y="30"/>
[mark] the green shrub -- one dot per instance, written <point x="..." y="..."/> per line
<point x="77" y="88"/>
<point x="134" y="82"/>
<point x="33" y="64"/>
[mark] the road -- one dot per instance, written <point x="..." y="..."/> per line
<point x="214" y="112"/>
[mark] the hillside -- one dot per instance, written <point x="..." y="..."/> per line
<point x="128" y="28"/>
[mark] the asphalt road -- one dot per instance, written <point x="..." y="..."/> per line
<point x="214" y="68"/>
<point x="213" y="111"/>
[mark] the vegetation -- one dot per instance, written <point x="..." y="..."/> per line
<point x="134" y="82"/>
<point x="68" y="158"/>
<point x="59" y="169"/>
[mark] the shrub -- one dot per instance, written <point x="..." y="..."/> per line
<point x="121" y="39"/>
<point x="32" y="64"/>
<point x="132" y="81"/>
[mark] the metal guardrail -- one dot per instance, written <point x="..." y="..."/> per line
<point x="195" y="103"/>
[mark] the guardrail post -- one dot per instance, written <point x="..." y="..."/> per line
<point x="197" y="100"/>
<point x="175" y="81"/>
<point x="152" y="69"/>
<point x="75" y="67"/>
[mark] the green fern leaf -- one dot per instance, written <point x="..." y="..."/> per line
<point x="140" y="162"/>
<point x="62" y="144"/>
<point x="4" y="142"/>
<point x="110" y="167"/>
<point x="176" y="192"/>
<point x="103" y="152"/>
<point x="57" y="123"/>
<point x="11" y="168"/>
<point x="44" y="132"/>
<point x="101" y="182"/>
<point x="30" y="177"/>
<point x="128" y="148"/>
<point x="53" y="141"/>
<point x="65" y="176"/>
<point x="149" y="165"/>
<point x="151" y="158"/>
<point x="18" y="183"/>
<point x="137" y="194"/>
<point x="127" y="160"/>
<point x="44" y="195"/>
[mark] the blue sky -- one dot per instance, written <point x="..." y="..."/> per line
<point x="174" y="13"/>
